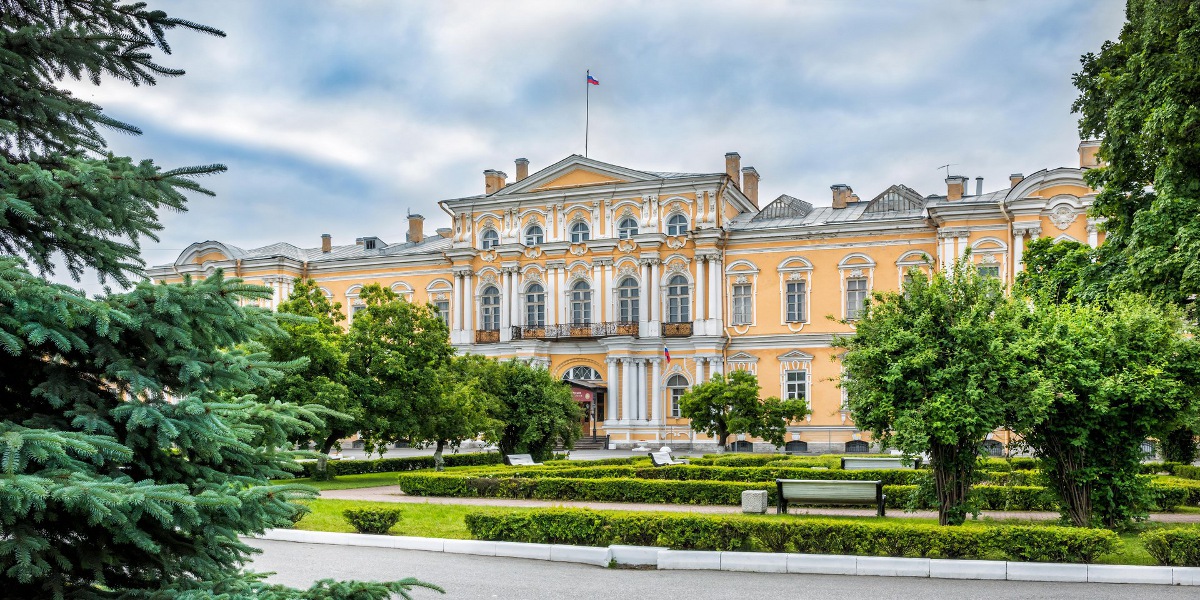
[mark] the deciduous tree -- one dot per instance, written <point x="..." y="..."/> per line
<point x="537" y="411"/>
<point x="725" y="406"/>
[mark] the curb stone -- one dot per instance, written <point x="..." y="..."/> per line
<point x="760" y="562"/>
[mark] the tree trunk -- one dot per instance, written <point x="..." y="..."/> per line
<point x="439" y="464"/>
<point x="952" y="470"/>
<point x="323" y="468"/>
<point x="1066" y="461"/>
<point x="327" y="445"/>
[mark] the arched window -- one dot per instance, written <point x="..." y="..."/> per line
<point x="489" y="307"/>
<point x="677" y="224"/>
<point x="857" y="447"/>
<point x="993" y="448"/>
<point x="677" y="386"/>
<point x="581" y="303"/>
<point x="741" y="446"/>
<point x="627" y="228"/>
<point x="534" y="236"/>
<point x="678" y="300"/>
<point x="489" y="239"/>
<point x="627" y="300"/>
<point x="580" y="232"/>
<point x="795" y="446"/>
<point x="582" y="373"/>
<point x="535" y="305"/>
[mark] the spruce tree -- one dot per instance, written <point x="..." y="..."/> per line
<point x="123" y="473"/>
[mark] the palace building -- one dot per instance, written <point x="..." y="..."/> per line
<point x="636" y="285"/>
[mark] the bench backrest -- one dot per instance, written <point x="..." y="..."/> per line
<point x="831" y="491"/>
<point x="520" y="459"/>
<point x="853" y="464"/>
<point x="661" y="458"/>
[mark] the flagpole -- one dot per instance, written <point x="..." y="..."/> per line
<point x="587" y="97"/>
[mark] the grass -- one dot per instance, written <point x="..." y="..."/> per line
<point x="348" y="482"/>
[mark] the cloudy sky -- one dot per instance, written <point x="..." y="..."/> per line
<point x="338" y="117"/>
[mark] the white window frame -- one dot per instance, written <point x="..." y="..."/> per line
<point x="531" y="319"/>
<point x="740" y="272"/>
<point x="580" y="237"/>
<point x="677" y="229"/>
<point x="489" y="312"/>
<point x="486" y="242"/>
<point x="580" y="302"/>
<point x="682" y="303"/>
<point x="626" y="232"/>
<point x="444" y="315"/>
<point x="673" y="399"/>
<point x="855" y="266"/>
<point x="850" y="295"/>
<point x="529" y="235"/>
<point x="632" y="299"/>
<point x="787" y="383"/>
<point x="747" y="316"/>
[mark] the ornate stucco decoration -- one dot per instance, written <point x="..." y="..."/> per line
<point x="741" y="279"/>
<point x="487" y="278"/>
<point x="855" y="273"/>
<point x="437" y="296"/>
<point x="533" y="252"/>
<point x="627" y="271"/>
<point x="1063" y="216"/>
<point x="676" y="242"/>
<point x="578" y="249"/>
<point x="627" y="246"/>
<point x="488" y="255"/>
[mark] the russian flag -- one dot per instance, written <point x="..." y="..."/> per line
<point x="667" y="353"/>
<point x="592" y="80"/>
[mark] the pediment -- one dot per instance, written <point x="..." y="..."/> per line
<point x="742" y="357"/>
<point x="575" y="171"/>
<point x="578" y="177"/>
<point x="796" y="355"/>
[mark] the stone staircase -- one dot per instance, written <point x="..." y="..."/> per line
<point x="588" y="442"/>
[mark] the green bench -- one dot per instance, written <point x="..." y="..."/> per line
<point x="822" y="491"/>
<point x="851" y="463"/>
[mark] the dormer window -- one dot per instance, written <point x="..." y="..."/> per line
<point x="677" y="225"/>
<point x="369" y="244"/>
<point x="580" y="232"/>
<point x="534" y="236"/>
<point x="490" y="239"/>
<point x="627" y="228"/>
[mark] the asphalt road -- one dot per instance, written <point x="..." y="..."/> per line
<point x="481" y="577"/>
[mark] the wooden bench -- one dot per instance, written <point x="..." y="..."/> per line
<point x="520" y="460"/>
<point x="820" y="491"/>
<point x="857" y="464"/>
<point x="662" y="459"/>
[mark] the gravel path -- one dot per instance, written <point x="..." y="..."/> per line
<point x="392" y="493"/>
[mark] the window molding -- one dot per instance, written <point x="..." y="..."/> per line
<point x="855" y="266"/>
<point x="486" y="241"/>
<point x="795" y="269"/>
<point x="676" y="382"/>
<point x="796" y="361"/>
<point x="743" y="361"/>
<point x="913" y="258"/>
<point x="742" y="272"/>
<point x="527" y="236"/>
<point x="991" y="252"/>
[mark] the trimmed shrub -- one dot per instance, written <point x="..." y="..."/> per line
<point x="712" y="473"/>
<point x="1168" y="497"/>
<point x="783" y="534"/>
<point x="1017" y="463"/>
<point x="1154" y="468"/>
<point x="407" y="463"/>
<point x="372" y="520"/>
<point x="829" y="462"/>
<point x="1178" y="547"/>
<point x="615" y="489"/>
<point x="1187" y="471"/>
<point x="986" y="497"/>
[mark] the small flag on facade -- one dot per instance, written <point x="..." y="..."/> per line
<point x="667" y="353"/>
<point x="592" y="80"/>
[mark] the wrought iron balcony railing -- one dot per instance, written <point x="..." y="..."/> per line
<point x="676" y="330"/>
<point x="487" y="336"/>
<point x="574" y="331"/>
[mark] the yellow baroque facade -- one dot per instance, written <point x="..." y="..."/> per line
<point x="636" y="285"/>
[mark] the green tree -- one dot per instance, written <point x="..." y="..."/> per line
<point x="1141" y="97"/>
<point x="537" y="410"/>
<point x="725" y="406"/>
<point x="933" y="369"/>
<point x="463" y="410"/>
<point x="311" y="333"/>
<point x="1113" y="378"/>
<point x="126" y="473"/>
<point x="399" y="354"/>
<point x="1063" y="271"/>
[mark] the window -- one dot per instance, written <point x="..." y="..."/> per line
<point x="535" y="305"/>
<point x="743" y="308"/>
<point x="679" y="309"/>
<point x="443" y="311"/>
<point x="677" y="225"/>
<point x="627" y="300"/>
<point x="795" y="302"/>
<point x="489" y="306"/>
<point x="795" y="385"/>
<point x="677" y="386"/>
<point x="580" y="232"/>
<point x="992" y="271"/>
<point x="627" y="228"/>
<point x="582" y="373"/>
<point x="856" y="296"/>
<point x="533" y="236"/>
<point x="356" y="308"/>
<point x="490" y="239"/>
<point x="857" y="447"/>
<point x="581" y="303"/>
<point x="369" y="244"/>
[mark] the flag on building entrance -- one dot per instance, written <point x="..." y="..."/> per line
<point x="593" y="80"/>
<point x="667" y="353"/>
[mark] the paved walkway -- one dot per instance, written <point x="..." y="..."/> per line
<point x="392" y="493"/>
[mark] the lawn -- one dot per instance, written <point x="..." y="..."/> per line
<point x="348" y="482"/>
<point x="447" y="521"/>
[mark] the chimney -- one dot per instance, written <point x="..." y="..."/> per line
<point x="841" y="194"/>
<point x="326" y="242"/>
<point x="955" y="186"/>
<point x="750" y="180"/>
<point x="444" y="232"/>
<point x="978" y="186"/>
<point x="493" y="181"/>
<point x="733" y="168"/>
<point x="1089" y="157"/>
<point x="1014" y="179"/>
<point x="852" y="199"/>
<point x="416" y="228"/>
<point x="522" y="168"/>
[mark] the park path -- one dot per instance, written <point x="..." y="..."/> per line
<point x="392" y="493"/>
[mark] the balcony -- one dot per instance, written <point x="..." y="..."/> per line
<point x="487" y="336"/>
<point x="677" y="330"/>
<point x="575" y="331"/>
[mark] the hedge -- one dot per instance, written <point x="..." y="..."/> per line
<point x="614" y="489"/>
<point x="783" y="534"/>
<point x="407" y="463"/>
<point x="1186" y="471"/>
<point x="1154" y="468"/>
<point x="705" y="473"/>
<point x="1178" y="547"/>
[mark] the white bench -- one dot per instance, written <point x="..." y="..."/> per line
<point x="857" y="464"/>
<point x="821" y="491"/>
<point x="520" y="460"/>
<point x="662" y="459"/>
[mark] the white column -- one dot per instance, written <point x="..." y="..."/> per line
<point x="610" y="403"/>
<point x="611" y="309"/>
<point x="1018" y="246"/>
<point x="551" y="304"/>
<point x="655" y="293"/>
<point x="505" y="305"/>
<point x="626" y="389"/>
<point x="717" y="366"/>
<point x="963" y="244"/>
<point x="701" y="292"/>
<point x="718" y="302"/>
<point x="597" y="294"/>
<point x="655" y="390"/>
<point x="564" y="309"/>
<point x="644" y="297"/>
<point x="699" y="370"/>
<point x="468" y="307"/>
<point x="1093" y="231"/>
<point x="640" y="388"/>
